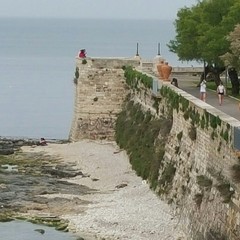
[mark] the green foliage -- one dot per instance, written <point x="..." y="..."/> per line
<point x="195" y="116"/>
<point x="77" y="73"/>
<point x="214" y="121"/>
<point x="174" y="99"/>
<point x="231" y="58"/>
<point x="225" y="134"/>
<point x="133" y="78"/>
<point x="185" y="103"/>
<point x="206" y="116"/>
<point x="84" y="61"/>
<point x="137" y="132"/>
<point x="207" y="24"/>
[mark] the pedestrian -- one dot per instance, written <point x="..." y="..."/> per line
<point x="174" y="82"/>
<point x="203" y="87"/>
<point x="220" y="92"/>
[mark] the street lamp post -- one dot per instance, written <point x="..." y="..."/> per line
<point x="137" y="54"/>
<point x="159" y="49"/>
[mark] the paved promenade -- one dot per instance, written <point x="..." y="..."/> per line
<point x="189" y="83"/>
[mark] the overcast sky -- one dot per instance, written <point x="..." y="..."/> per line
<point x="137" y="9"/>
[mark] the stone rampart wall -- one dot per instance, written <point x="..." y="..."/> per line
<point x="99" y="93"/>
<point x="204" y="190"/>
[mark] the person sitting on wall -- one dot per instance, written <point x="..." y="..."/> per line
<point x="43" y="142"/>
<point x="82" y="53"/>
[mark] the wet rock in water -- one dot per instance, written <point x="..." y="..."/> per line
<point x="42" y="231"/>
<point x="62" y="227"/>
<point x="38" y="176"/>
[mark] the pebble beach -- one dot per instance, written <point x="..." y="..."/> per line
<point x="121" y="206"/>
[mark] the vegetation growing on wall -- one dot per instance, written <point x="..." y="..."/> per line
<point x="84" y="61"/>
<point x="138" y="133"/>
<point x="133" y="78"/>
<point x="76" y="75"/>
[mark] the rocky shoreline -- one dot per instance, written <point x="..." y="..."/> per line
<point x="26" y="177"/>
<point x="9" y="146"/>
<point x="87" y="188"/>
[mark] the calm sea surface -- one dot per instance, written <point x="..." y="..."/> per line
<point x="20" y="230"/>
<point x="37" y="64"/>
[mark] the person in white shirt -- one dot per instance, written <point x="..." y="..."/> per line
<point x="203" y="87"/>
<point x="220" y="92"/>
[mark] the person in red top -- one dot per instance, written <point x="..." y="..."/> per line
<point x="82" y="53"/>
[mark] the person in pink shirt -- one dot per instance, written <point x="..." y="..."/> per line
<point x="82" y="53"/>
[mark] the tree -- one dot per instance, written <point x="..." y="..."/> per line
<point x="231" y="58"/>
<point x="201" y="33"/>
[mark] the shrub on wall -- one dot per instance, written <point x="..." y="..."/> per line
<point x="84" y="61"/>
<point x="133" y="78"/>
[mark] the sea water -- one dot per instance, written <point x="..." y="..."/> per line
<point x="21" y="230"/>
<point x="37" y="65"/>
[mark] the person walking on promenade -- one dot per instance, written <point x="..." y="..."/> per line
<point x="203" y="87"/>
<point x="220" y="92"/>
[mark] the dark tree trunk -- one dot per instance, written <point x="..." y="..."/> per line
<point x="234" y="80"/>
<point x="204" y="74"/>
<point x="216" y="71"/>
<point x="213" y="73"/>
